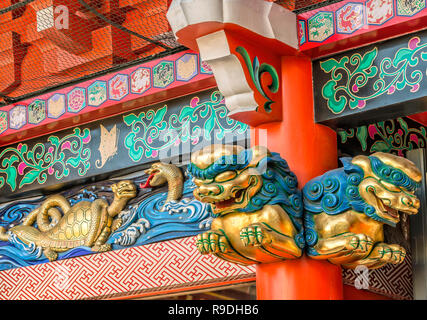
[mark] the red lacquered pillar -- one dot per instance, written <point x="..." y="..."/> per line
<point x="310" y="150"/>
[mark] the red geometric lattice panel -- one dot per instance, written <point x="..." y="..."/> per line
<point x="153" y="267"/>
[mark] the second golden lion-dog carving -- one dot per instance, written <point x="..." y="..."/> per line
<point x="346" y="208"/>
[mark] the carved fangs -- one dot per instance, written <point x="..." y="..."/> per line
<point x="391" y="212"/>
<point x="237" y="198"/>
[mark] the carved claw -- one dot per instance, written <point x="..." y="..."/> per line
<point x="102" y="248"/>
<point x="3" y="235"/>
<point x="50" y="254"/>
<point x="211" y="242"/>
<point x="388" y="253"/>
<point x="359" y="243"/>
<point x="255" y="235"/>
<point x="380" y="255"/>
<point x="117" y="223"/>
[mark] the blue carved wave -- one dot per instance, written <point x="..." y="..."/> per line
<point x="146" y="222"/>
<point x="143" y="223"/>
<point x="15" y="212"/>
<point x="15" y="253"/>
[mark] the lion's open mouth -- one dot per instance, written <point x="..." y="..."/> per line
<point x="236" y="198"/>
<point x="128" y="192"/>
<point x="393" y="213"/>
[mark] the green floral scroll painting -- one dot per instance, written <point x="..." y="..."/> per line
<point x="392" y="136"/>
<point x="352" y="75"/>
<point x="22" y="165"/>
<point x="256" y="70"/>
<point x="157" y="129"/>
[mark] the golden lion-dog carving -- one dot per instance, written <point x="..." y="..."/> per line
<point x="254" y="198"/>
<point x="346" y="208"/>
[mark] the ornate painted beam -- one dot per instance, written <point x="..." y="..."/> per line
<point x="375" y="83"/>
<point x="145" y="84"/>
<point x="354" y="23"/>
<point x="125" y="142"/>
<point x="227" y="34"/>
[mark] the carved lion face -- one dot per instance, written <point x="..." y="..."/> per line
<point x="389" y="185"/>
<point x="224" y="182"/>
<point x="124" y="189"/>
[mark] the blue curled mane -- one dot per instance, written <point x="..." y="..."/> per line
<point x="280" y="185"/>
<point x="392" y="175"/>
<point x="337" y="191"/>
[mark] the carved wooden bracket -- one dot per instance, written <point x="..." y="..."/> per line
<point x="242" y="41"/>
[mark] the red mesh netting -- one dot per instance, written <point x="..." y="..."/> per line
<point x="49" y="43"/>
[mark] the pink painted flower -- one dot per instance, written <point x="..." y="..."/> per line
<point x="50" y="150"/>
<point x="21" y="168"/>
<point x="149" y="139"/>
<point x="50" y="170"/>
<point x="372" y="129"/>
<point x="361" y="104"/>
<point x="66" y="146"/>
<point x="154" y="154"/>
<point x="400" y="132"/>
<point x="19" y="147"/>
<point x="415" y="88"/>
<point x="391" y="89"/>
<point x="177" y="142"/>
<point x="414" y="138"/>
<point x="355" y="88"/>
<point x="194" y="102"/>
<point x="400" y="153"/>
<point x="87" y="139"/>
<point x="413" y="43"/>
<point x="195" y="140"/>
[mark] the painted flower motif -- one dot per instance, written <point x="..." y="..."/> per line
<point x="194" y="102"/>
<point x="414" y="138"/>
<point x="23" y="165"/>
<point x="21" y="168"/>
<point x="372" y="129"/>
<point x="351" y="76"/>
<point x="415" y="88"/>
<point x="361" y="104"/>
<point x="155" y="130"/>
<point x="391" y="90"/>
<point x="413" y="43"/>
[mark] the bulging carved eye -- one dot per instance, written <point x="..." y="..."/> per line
<point x="225" y="176"/>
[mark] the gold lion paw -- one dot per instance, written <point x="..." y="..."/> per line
<point x="359" y="243"/>
<point x="254" y="235"/>
<point x="211" y="242"/>
<point x="392" y="253"/>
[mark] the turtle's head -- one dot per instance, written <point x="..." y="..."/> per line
<point x="125" y="189"/>
<point x="26" y="233"/>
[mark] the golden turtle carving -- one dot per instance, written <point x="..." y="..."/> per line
<point x="84" y="224"/>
